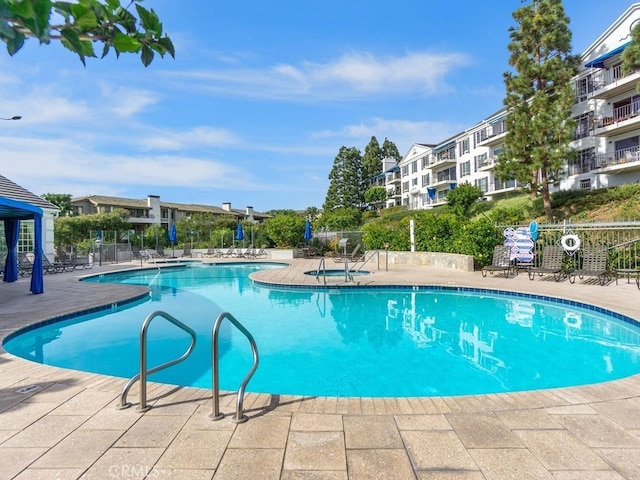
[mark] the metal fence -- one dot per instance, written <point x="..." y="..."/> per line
<point x="621" y="239"/>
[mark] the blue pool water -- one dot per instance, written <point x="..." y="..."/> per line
<point x="356" y="341"/>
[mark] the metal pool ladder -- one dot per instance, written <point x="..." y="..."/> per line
<point x="144" y="372"/>
<point x="239" y="417"/>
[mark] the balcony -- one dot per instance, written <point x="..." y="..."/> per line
<point x="493" y="138"/>
<point x="498" y="187"/>
<point x="443" y="180"/>
<point x="393" y="194"/>
<point x="622" y="119"/>
<point x="618" y="161"/>
<point x="444" y="160"/>
<point x="393" y="178"/>
<point x="611" y="83"/>
<point x="486" y="164"/>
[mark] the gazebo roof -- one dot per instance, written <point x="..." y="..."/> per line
<point x="17" y="202"/>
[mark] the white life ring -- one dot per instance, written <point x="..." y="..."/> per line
<point x="570" y="243"/>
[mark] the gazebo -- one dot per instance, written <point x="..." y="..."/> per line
<point x="18" y="204"/>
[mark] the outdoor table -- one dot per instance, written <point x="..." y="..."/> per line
<point x="628" y="272"/>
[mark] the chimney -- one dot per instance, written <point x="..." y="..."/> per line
<point x="226" y="206"/>
<point x="249" y="214"/>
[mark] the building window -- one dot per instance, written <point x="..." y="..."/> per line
<point x="425" y="179"/>
<point x="414" y="166"/>
<point x="25" y="240"/>
<point x="479" y="136"/>
<point x="405" y="170"/>
<point x="498" y="127"/>
<point x="582" y="87"/>
<point x="463" y="146"/>
<point x="481" y="161"/>
<point x="482" y="184"/>
<point x="465" y="168"/>
<point x="585" y="184"/>
<point x="414" y="182"/>
<point x="447" y="174"/>
<point x="425" y="162"/>
<point x="583" y="162"/>
<point x="584" y="125"/>
<point x="405" y="187"/>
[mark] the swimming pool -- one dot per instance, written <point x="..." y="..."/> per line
<point x="372" y="342"/>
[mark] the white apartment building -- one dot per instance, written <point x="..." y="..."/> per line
<point x="607" y="136"/>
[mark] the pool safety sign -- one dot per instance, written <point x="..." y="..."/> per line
<point x="520" y="242"/>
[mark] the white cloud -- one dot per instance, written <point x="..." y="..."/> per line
<point x="50" y="162"/>
<point x="401" y="132"/>
<point x="194" y="138"/>
<point x="353" y="76"/>
<point x="126" y="102"/>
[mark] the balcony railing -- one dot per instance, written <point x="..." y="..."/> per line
<point x="578" y="168"/>
<point x="600" y="80"/>
<point x="393" y="177"/>
<point x="619" y="157"/>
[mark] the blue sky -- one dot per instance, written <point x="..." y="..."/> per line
<point x="261" y="96"/>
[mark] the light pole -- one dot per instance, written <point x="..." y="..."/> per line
<point x="15" y="117"/>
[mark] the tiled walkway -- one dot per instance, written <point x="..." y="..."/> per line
<point x="68" y="426"/>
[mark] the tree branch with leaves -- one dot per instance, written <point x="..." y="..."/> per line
<point x="80" y="25"/>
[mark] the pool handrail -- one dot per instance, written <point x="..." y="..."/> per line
<point x="239" y="417"/>
<point x="374" y="253"/>
<point x="348" y="273"/>
<point x="144" y="373"/>
<point x="322" y="267"/>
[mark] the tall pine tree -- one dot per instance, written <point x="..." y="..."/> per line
<point x="346" y="182"/>
<point x="539" y="96"/>
<point x="372" y="160"/>
<point x="389" y="150"/>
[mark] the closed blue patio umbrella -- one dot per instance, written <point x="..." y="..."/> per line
<point x="308" y="234"/>
<point x="240" y="233"/>
<point x="173" y="236"/>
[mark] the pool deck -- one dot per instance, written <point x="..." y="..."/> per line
<point x="65" y="425"/>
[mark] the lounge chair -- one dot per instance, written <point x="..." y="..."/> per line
<point x="594" y="264"/>
<point x="552" y="260"/>
<point x="65" y="259"/>
<point x="56" y="266"/>
<point x="501" y="261"/>
<point x="311" y="252"/>
<point x="213" y="252"/>
<point x="231" y="252"/>
<point x="25" y="265"/>
<point x="151" y="255"/>
<point x="260" y="252"/>
<point x="186" y="252"/>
